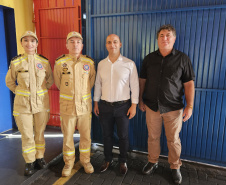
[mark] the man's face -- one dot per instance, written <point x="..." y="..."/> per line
<point x="113" y="44"/>
<point x="29" y="44"/>
<point x="166" y="40"/>
<point x="74" y="45"/>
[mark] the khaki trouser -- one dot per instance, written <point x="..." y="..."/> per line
<point x="172" y="123"/>
<point x="68" y="124"/>
<point x="32" y="127"/>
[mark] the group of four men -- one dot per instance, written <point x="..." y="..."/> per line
<point x="166" y="75"/>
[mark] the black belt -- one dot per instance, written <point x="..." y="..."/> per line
<point x="114" y="103"/>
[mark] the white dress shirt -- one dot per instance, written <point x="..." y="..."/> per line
<point x="116" y="81"/>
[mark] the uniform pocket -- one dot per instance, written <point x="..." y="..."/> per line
<point x="85" y="82"/>
<point x="23" y="79"/>
<point x="42" y="97"/>
<point x="66" y="106"/>
<point x="41" y="77"/>
<point x="66" y="86"/>
<point x="87" y="102"/>
<point x="22" y="101"/>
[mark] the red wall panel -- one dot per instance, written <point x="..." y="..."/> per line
<point x="54" y="19"/>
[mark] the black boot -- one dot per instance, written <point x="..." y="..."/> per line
<point x="150" y="168"/>
<point x="29" y="169"/>
<point x="40" y="163"/>
<point x="176" y="174"/>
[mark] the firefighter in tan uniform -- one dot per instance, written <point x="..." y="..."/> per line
<point x="33" y="75"/>
<point x="74" y="75"/>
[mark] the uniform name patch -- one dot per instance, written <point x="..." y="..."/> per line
<point x="39" y="66"/>
<point x="86" y="67"/>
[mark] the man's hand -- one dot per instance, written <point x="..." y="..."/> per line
<point x="142" y="106"/>
<point x="96" y="108"/>
<point x="189" y="91"/>
<point x="132" y="111"/>
<point x="187" y="113"/>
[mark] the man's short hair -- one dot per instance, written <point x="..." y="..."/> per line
<point x="115" y="35"/>
<point x="168" y="27"/>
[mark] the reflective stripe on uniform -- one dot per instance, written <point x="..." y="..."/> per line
<point x="68" y="153"/>
<point x="84" y="150"/>
<point x="16" y="113"/>
<point x="16" y="62"/>
<point x="22" y="93"/>
<point x="63" y="60"/>
<point x="87" y="96"/>
<point x="88" y="60"/>
<point x="42" y="92"/>
<point x="41" y="59"/>
<point x="29" y="150"/>
<point x="67" y="97"/>
<point x="39" y="146"/>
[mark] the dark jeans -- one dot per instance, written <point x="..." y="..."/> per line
<point x="109" y="115"/>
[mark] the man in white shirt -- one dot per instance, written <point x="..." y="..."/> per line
<point x="117" y="89"/>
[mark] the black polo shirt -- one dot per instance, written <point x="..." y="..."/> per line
<point x="164" y="80"/>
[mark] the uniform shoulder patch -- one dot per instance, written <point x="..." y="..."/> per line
<point x="43" y="56"/>
<point x="89" y="57"/>
<point x="60" y="57"/>
<point x="14" y="58"/>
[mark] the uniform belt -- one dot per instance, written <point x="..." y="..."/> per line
<point x="114" y="103"/>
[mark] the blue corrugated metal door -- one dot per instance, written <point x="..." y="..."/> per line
<point x="6" y="120"/>
<point x="201" y="34"/>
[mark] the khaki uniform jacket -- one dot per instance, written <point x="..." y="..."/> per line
<point x="34" y="77"/>
<point x="75" y="79"/>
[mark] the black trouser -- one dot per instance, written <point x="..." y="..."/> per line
<point x="109" y="115"/>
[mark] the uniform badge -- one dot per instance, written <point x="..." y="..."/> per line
<point x="65" y="69"/>
<point x="66" y="83"/>
<point x="39" y="66"/>
<point x="86" y="67"/>
<point x="64" y="65"/>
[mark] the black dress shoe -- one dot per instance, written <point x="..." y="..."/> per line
<point x="40" y="163"/>
<point x="29" y="169"/>
<point x="105" y="166"/>
<point x="150" y="168"/>
<point x="123" y="168"/>
<point x="176" y="174"/>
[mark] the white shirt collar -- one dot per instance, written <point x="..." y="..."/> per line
<point x="119" y="58"/>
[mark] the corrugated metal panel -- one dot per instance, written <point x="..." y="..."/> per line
<point x="122" y="6"/>
<point x="201" y="35"/>
<point x="8" y="50"/>
<point x="54" y="20"/>
<point x="11" y="48"/>
<point x="6" y="109"/>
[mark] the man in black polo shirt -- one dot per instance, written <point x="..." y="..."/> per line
<point x="166" y="75"/>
